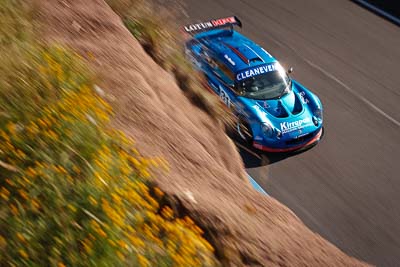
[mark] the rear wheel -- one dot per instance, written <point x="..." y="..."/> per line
<point x="245" y="132"/>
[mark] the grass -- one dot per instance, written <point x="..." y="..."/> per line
<point x="73" y="191"/>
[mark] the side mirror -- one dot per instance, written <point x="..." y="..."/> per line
<point x="290" y="70"/>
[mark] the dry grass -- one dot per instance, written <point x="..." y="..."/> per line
<point x="156" y="29"/>
<point x="73" y="191"/>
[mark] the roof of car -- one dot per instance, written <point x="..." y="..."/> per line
<point x="235" y="50"/>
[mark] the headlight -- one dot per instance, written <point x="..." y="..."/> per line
<point x="318" y="114"/>
<point x="278" y="133"/>
<point x="267" y="129"/>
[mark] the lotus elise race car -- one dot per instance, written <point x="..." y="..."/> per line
<point x="275" y="113"/>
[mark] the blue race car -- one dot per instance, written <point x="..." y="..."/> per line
<point x="275" y="113"/>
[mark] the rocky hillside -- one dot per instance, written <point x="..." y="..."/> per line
<point x="206" y="177"/>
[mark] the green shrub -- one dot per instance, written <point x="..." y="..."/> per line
<point x="74" y="192"/>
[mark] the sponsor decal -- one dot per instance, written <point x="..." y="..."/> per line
<point x="258" y="138"/>
<point x="223" y="21"/>
<point x="303" y="98"/>
<point x="198" y="26"/>
<point x="225" y="97"/>
<point x="229" y="60"/>
<point x="287" y="127"/>
<point x="209" y="24"/>
<point x="256" y="71"/>
<point x="301" y="135"/>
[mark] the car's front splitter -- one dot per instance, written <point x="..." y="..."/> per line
<point x="315" y="139"/>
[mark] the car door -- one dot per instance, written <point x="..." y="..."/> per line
<point x="221" y="80"/>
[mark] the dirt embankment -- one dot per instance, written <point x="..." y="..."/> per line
<point x="206" y="179"/>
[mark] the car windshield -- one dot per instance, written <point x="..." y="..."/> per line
<point x="273" y="84"/>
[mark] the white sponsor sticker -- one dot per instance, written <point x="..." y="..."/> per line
<point x="257" y="71"/>
<point x="229" y="60"/>
<point x="287" y="127"/>
<point x="303" y="97"/>
<point x="224" y="97"/>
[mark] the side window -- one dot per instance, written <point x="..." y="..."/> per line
<point x="223" y="72"/>
<point x="227" y="72"/>
<point x="204" y="53"/>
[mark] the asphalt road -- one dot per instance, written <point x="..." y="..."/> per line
<point x="347" y="188"/>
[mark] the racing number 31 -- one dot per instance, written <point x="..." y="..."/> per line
<point x="224" y="97"/>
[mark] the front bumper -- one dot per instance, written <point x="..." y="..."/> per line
<point x="308" y="143"/>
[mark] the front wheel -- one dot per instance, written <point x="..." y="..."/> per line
<point x="245" y="132"/>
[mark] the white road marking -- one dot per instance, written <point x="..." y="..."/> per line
<point x="366" y="101"/>
<point x="248" y="150"/>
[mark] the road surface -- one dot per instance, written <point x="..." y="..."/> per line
<point x="347" y="188"/>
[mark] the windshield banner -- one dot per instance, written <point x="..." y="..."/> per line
<point x="256" y="71"/>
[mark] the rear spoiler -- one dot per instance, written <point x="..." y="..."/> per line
<point x="212" y="25"/>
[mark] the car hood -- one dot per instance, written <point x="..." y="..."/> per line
<point x="290" y="105"/>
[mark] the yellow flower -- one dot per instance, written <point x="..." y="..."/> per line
<point x="20" y="237"/>
<point x="101" y="232"/>
<point x="4" y="193"/>
<point x="167" y="212"/>
<point x="136" y="242"/>
<point x="3" y="242"/>
<point x="32" y="128"/>
<point x="20" y="154"/>
<point x="23" y="253"/>
<point x="26" y="180"/>
<point x="111" y="213"/>
<point x="4" y="135"/>
<point x="23" y="194"/>
<point x="158" y="192"/>
<point x="120" y="255"/>
<point x="35" y="204"/>
<point x="87" y="246"/>
<point x="143" y="261"/>
<point x="42" y="123"/>
<point x="76" y="169"/>
<point x="11" y="127"/>
<point x="31" y="172"/>
<point x="61" y="170"/>
<point x="122" y="244"/>
<point x="112" y="243"/>
<point x="14" y="209"/>
<point x="71" y="207"/>
<point x="92" y="201"/>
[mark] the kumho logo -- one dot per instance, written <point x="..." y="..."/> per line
<point x="291" y="126"/>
